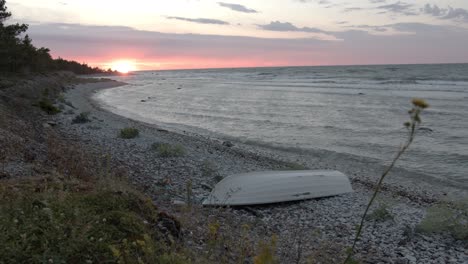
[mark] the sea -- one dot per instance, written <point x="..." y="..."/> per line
<point x="350" y="110"/>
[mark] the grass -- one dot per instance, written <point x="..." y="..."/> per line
<point x="81" y="118"/>
<point x="75" y="205"/>
<point x="415" y="120"/>
<point x="443" y="218"/>
<point x="167" y="150"/>
<point x="47" y="106"/>
<point x="381" y="214"/>
<point x="129" y="133"/>
<point x="295" y="166"/>
<point x="59" y="221"/>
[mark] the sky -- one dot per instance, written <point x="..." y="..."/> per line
<point x="183" y="34"/>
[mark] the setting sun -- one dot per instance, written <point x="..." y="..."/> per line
<point x="123" y="66"/>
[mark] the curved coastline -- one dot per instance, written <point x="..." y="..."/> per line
<point x="166" y="181"/>
<point x="402" y="180"/>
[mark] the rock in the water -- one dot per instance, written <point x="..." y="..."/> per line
<point x="426" y="129"/>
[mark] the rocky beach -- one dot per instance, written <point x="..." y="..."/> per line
<point x="317" y="230"/>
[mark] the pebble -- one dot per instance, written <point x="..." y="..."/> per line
<point x="328" y="220"/>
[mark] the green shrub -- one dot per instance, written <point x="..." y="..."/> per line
<point x="81" y="118"/>
<point x="443" y="218"/>
<point x="167" y="150"/>
<point x="129" y="132"/>
<point x="57" y="226"/>
<point x="48" y="107"/>
<point x="61" y="98"/>
<point x="208" y="169"/>
<point x="295" y="166"/>
<point x="381" y="213"/>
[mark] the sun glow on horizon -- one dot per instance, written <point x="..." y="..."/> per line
<point x="123" y="66"/>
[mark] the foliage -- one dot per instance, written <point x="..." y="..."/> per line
<point x="81" y="118"/>
<point x="381" y="213"/>
<point x="267" y="253"/>
<point x="167" y="150"/>
<point x="295" y="166"/>
<point x="19" y="55"/>
<point x="129" y="133"/>
<point x="56" y="222"/>
<point x="47" y="106"/>
<point x="445" y="218"/>
<point x="415" y="120"/>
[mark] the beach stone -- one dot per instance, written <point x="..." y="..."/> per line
<point x="206" y="186"/>
<point x="334" y="218"/>
<point x="178" y="202"/>
<point x="228" y="144"/>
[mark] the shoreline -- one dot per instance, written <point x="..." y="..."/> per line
<point x="401" y="180"/>
<point x="165" y="180"/>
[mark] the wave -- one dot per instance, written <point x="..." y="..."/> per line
<point x="399" y="82"/>
<point x="348" y="161"/>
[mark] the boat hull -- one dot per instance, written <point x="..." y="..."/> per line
<point x="277" y="186"/>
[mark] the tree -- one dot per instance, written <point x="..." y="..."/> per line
<point x="10" y="41"/>
<point x="4" y="14"/>
<point x="18" y="54"/>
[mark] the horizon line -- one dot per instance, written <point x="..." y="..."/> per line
<point x="308" y="66"/>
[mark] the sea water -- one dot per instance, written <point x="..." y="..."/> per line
<point x="351" y="110"/>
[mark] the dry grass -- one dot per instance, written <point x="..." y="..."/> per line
<point x="76" y="205"/>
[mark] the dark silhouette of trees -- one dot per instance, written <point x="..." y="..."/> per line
<point x="18" y="54"/>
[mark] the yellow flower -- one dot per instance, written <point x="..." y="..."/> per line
<point x="420" y="103"/>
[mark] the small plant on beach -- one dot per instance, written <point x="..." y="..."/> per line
<point x="444" y="218"/>
<point x="209" y="169"/>
<point x="167" y="150"/>
<point x="61" y="98"/>
<point x="381" y="213"/>
<point x="81" y="118"/>
<point x="47" y="106"/>
<point x="129" y="133"/>
<point x="266" y="253"/>
<point x="412" y="125"/>
<point x="295" y="166"/>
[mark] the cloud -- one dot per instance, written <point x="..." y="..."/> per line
<point x="398" y="7"/>
<point x="286" y="26"/>
<point x="458" y="14"/>
<point x="200" y="20"/>
<point x="377" y="1"/>
<point x="433" y="10"/>
<point x="99" y="44"/>
<point x="374" y="28"/>
<point x="237" y="7"/>
<point x="350" y="9"/>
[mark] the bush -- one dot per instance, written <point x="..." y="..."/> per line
<point x="381" y="213"/>
<point x="208" y="169"/>
<point x="60" y="226"/>
<point x="443" y="218"/>
<point x="295" y="166"/>
<point x="129" y="132"/>
<point x="48" y="107"/>
<point x="81" y="118"/>
<point x="167" y="150"/>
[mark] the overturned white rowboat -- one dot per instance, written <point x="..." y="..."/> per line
<point x="278" y="186"/>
